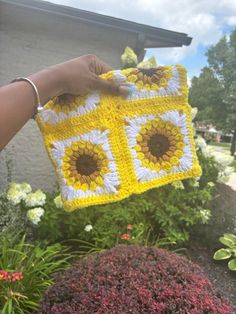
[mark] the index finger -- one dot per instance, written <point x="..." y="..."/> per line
<point x="101" y="67"/>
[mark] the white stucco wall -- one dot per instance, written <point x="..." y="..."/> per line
<point x="29" y="42"/>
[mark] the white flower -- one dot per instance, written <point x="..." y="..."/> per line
<point x="15" y="197"/>
<point x="25" y="187"/>
<point x="228" y="171"/>
<point x="195" y="184"/>
<point x="129" y="58"/>
<point x="148" y="64"/>
<point x="209" y="151"/>
<point x="178" y="185"/>
<point x="35" y="214"/>
<point x="211" y="184"/>
<point x="201" y="143"/>
<point x="223" y="160"/>
<point x="88" y="228"/>
<point x="18" y="192"/>
<point x="35" y="199"/>
<point x="58" y="201"/>
<point x="194" y="112"/>
<point x="205" y="215"/>
<point x="223" y="176"/>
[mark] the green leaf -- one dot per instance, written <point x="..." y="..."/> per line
<point x="222" y="254"/>
<point x="226" y="242"/>
<point x="233" y="251"/>
<point x="7" y="309"/>
<point x="232" y="264"/>
<point x="10" y="306"/>
<point x="230" y="237"/>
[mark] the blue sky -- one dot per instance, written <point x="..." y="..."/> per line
<point x="204" y="20"/>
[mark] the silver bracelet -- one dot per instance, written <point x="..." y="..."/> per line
<point x="38" y="107"/>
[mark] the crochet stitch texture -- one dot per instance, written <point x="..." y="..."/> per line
<point x="105" y="148"/>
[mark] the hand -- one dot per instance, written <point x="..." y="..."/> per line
<point x="81" y="75"/>
<point x="77" y="76"/>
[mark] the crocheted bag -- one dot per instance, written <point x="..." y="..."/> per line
<point x="105" y="148"/>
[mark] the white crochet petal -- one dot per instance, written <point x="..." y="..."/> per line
<point x="172" y="88"/>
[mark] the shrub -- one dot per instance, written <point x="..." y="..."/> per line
<point x="13" y="220"/>
<point x="223" y="219"/>
<point x="20" y="210"/>
<point x="133" y="279"/>
<point x="163" y="215"/>
<point x="26" y="272"/>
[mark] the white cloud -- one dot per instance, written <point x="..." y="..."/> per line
<point x="231" y="20"/>
<point x="202" y="27"/>
<point x="203" y="19"/>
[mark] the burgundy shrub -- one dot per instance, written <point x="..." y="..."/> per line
<point x="133" y="279"/>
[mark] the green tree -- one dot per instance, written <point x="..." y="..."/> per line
<point x="214" y="91"/>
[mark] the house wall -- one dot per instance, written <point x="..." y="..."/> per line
<point x="31" y="40"/>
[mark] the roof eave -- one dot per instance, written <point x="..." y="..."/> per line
<point x="154" y="37"/>
<point x="167" y="43"/>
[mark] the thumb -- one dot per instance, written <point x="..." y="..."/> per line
<point x="110" y="86"/>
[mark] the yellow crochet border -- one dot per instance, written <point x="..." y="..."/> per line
<point x="110" y="115"/>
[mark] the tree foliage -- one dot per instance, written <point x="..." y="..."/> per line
<point x="214" y="91"/>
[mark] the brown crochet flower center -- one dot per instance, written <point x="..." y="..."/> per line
<point x="158" y="145"/>
<point x="65" y="99"/>
<point x="148" y="72"/>
<point x="149" y="76"/>
<point x="86" y="165"/>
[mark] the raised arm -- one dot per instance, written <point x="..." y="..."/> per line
<point x="76" y="76"/>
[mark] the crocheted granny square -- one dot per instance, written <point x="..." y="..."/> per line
<point x="105" y="147"/>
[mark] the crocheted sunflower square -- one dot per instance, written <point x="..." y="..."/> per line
<point x="161" y="148"/>
<point x="105" y="148"/>
<point x="86" y="166"/>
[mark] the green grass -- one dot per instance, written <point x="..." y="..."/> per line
<point x="221" y="144"/>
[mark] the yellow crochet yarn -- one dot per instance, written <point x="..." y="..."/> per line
<point x="105" y="148"/>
